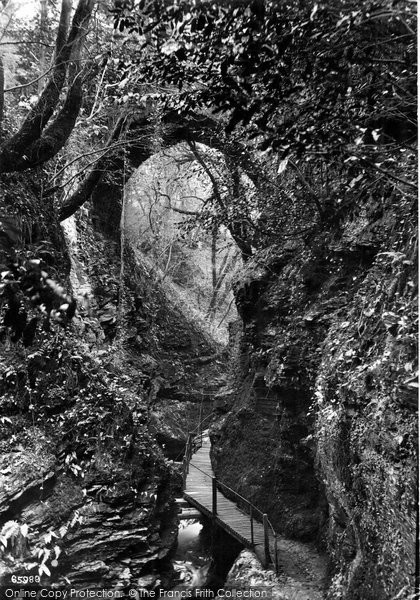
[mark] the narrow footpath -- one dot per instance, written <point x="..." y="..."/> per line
<point x="198" y="490"/>
<point x="302" y="569"/>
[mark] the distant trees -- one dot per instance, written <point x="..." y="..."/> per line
<point x="40" y="137"/>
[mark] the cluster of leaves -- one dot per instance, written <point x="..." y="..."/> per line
<point x="290" y="72"/>
<point x="14" y="544"/>
<point x="81" y="409"/>
<point x="22" y="279"/>
<point x="329" y="89"/>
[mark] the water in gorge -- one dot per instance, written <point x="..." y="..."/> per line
<point x="203" y="556"/>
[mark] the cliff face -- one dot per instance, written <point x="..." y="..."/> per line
<point x="86" y="490"/>
<point x="321" y="433"/>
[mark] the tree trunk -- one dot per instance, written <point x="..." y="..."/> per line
<point x="227" y="263"/>
<point x="12" y="151"/>
<point x="213" y="256"/>
<point x="57" y="133"/>
<point x="43" y="15"/>
<point x="1" y="90"/>
<point x="85" y="189"/>
<point x="237" y="229"/>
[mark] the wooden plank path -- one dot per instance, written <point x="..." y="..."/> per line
<point x="301" y="571"/>
<point x="199" y="491"/>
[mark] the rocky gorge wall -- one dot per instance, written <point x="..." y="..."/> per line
<point x="317" y="419"/>
<point x="87" y="488"/>
<point x="320" y="427"/>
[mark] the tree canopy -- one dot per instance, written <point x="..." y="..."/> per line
<point x="323" y="92"/>
<point x="289" y="72"/>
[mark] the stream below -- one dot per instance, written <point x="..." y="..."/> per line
<point x="204" y="556"/>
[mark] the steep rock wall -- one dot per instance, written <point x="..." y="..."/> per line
<point x="322" y="429"/>
<point x="86" y="492"/>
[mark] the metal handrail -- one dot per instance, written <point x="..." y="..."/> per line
<point x="221" y="484"/>
<point x="201" y="470"/>
<point x="197" y="429"/>
<point x="195" y="442"/>
<point x="189" y="454"/>
<point x="199" y="426"/>
<point x="192" y="444"/>
<point x="252" y="510"/>
<point x="240" y="498"/>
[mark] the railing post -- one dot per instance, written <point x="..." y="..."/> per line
<point x="187" y="457"/>
<point x="201" y="420"/>
<point x="266" y="541"/>
<point x="276" y="556"/>
<point x="214" y="490"/>
<point x="251" y="514"/>
<point x="184" y="470"/>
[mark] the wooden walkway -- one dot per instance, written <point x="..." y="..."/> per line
<point x="201" y="492"/>
<point x="301" y="571"/>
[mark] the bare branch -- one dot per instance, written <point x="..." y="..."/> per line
<point x="210" y="175"/>
<point x="101" y="151"/>
<point x="58" y="131"/>
<point x="182" y="211"/>
<point x="98" y="89"/>
<point x="391" y="175"/>
<point x="25" y="85"/>
<point x="26" y="42"/>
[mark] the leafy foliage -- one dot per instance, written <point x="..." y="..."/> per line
<point x="293" y="73"/>
<point x="22" y="279"/>
<point x="324" y="96"/>
<point x="326" y="90"/>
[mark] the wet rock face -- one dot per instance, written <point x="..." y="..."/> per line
<point x="111" y="526"/>
<point x="263" y="448"/>
<point x="274" y="472"/>
<point x="170" y="421"/>
<point x="247" y="572"/>
<point x="366" y="433"/>
<point x="322" y="430"/>
<point x="86" y="494"/>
